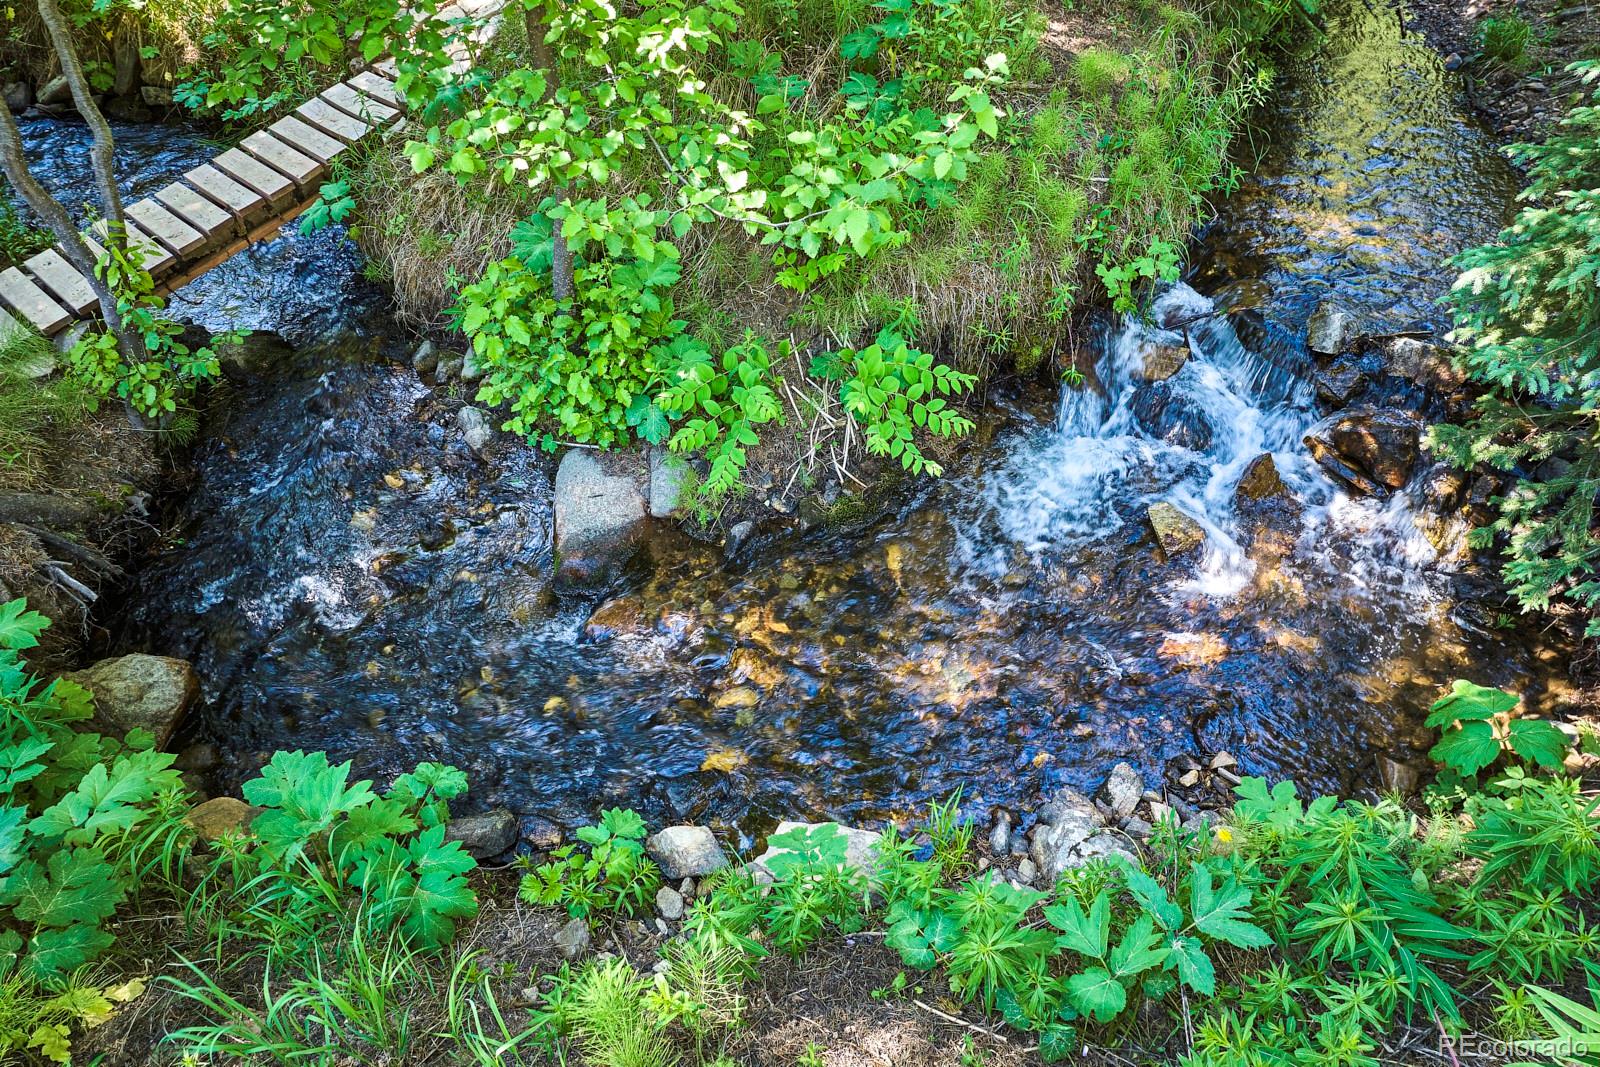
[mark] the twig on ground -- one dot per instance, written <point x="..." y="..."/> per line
<point x="958" y="1021"/>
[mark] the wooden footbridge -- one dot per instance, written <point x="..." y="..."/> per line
<point x="241" y="197"/>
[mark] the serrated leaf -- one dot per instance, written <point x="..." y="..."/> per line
<point x="1096" y="994"/>
<point x="1539" y="741"/>
<point x="1222" y="913"/>
<point x="1086" y="935"/>
<point x="1468" y="749"/>
<point x="1057" y="1042"/>
<point x="1194" y="968"/>
<point x="1148" y="892"/>
<point x="1138" y="950"/>
<point x="1467" y="702"/>
<point x="19" y="627"/>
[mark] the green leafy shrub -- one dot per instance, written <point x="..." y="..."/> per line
<point x="892" y="391"/>
<point x="727" y="404"/>
<point x="615" y="875"/>
<point x="164" y="371"/>
<point x="1477" y="731"/>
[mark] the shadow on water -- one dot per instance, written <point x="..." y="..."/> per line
<point x="347" y="575"/>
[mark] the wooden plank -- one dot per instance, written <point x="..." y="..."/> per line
<point x="243" y="203"/>
<point x="314" y="143"/>
<point x="175" y="235"/>
<point x="195" y="209"/>
<point x="300" y="168"/>
<point x="62" y="281"/>
<point x="157" y="260"/>
<point x="330" y="120"/>
<point x="359" y="106"/>
<point x="376" y="86"/>
<point x="29" y="301"/>
<point x="245" y="170"/>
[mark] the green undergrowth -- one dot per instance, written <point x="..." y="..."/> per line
<point x="334" y="923"/>
<point x="32" y="406"/>
<point x="630" y="211"/>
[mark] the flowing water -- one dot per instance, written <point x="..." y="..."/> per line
<point x="347" y="575"/>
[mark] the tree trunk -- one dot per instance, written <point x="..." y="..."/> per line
<point x="544" y="58"/>
<point x="14" y="165"/>
<point x="102" y="156"/>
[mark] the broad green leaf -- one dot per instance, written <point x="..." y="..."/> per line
<point x="1096" y="994"/>
<point x="1467" y="702"/>
<point x="1194" y="967"/>
<point x="1222" y="913"/>
<point x="1538" y="741"/>
<point x="1086" y="935"/>
<point x="1468" y="748"/>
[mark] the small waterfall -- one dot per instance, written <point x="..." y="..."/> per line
<point x="1126" y="438"/>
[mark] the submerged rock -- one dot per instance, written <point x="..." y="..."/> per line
<point x="1176" y="533"/>
<point x="484" y="835"/>
<point x="18" y="96"/>
<point x="140" y="691"/>
<point x="686" y="852"/>
<point x="1368" y="450"/>
<point x="1172" y="416"/>
<point x="1327" y="331"/>
<point x="600" y="513"/>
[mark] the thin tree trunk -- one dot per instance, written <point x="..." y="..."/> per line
<point x="102" y="156"/>
<point x="14" y="164"/>
<point x="544" y="58"/>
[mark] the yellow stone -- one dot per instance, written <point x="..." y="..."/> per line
<point x="738" y="697"/>
<point x="724" y="759"/>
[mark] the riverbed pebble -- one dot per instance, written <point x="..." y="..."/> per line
<point x="573" y="939"/>
<point x="669" y="902"/>
<point x="686" y="852"/>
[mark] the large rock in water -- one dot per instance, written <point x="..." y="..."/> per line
<point x="602" y="507"/>
<point x="1172" y="416"/>
<point x="1368" y="450"/>
<point x="1161" y="362"/>
<point x="1176" y="533"/>
<point x="1328" y="330"/>
<point x="1261" y="479"/>
<point x="147" y="692"/>
<point x="485" y="834"/>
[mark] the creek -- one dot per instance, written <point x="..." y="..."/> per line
<point x="347" y="575"/>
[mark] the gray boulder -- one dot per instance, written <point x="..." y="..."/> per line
<point x="1328" y="330"/>
<point x="55" y="91"/>
<point x="1123" y="790"/>
<point x="860" y="850"/>
<point x="18" y="96"/>
<point x="474" y="427"/>
<point x="601" y="510"/>
<point x="686" y="852"/>
<point x="140" y="691"/>
<point x="484" y="835"/>
<point x="670" y="476"/>
<point x="572" y="940"/>
<point x="669" y="902"/>
<point x="1071" y="832"/>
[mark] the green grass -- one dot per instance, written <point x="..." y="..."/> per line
<point x="30" y="407"/>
